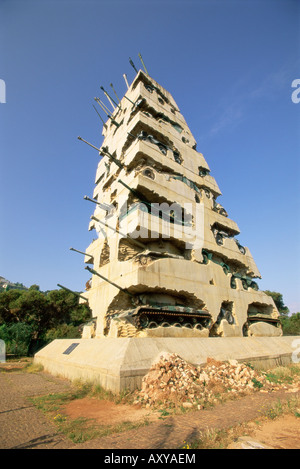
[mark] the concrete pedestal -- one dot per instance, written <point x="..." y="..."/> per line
<point x="119" y="364"/>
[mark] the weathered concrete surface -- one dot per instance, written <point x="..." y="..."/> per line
<point x="120" y="363"/>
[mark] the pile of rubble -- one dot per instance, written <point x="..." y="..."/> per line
<point x="172" y="380"/>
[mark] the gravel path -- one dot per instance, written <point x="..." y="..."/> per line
<point x="21" y="424"/>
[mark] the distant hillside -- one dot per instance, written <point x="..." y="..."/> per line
<point x="6" y="285"/>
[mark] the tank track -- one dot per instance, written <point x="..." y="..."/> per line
<point x="148" y="317"/>
<point x="252" y="319"/>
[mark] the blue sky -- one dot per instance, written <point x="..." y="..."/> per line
<point x="229" y="66"/>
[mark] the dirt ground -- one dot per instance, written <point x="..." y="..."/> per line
<point x="106" y="412"/>
<point x="23" y="425"/>
<point x="282" y="433"/>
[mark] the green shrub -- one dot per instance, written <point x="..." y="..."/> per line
<point x="17" y="338"/>
<point x="62" y="331"/>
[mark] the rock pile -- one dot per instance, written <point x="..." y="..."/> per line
<point x="171" y="379"/>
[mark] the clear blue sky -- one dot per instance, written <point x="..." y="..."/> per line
<point x="229" y="66"/>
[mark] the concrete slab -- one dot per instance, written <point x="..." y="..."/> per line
<point x="120" y="363"/>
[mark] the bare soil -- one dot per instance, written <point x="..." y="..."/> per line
<point x="281" y="433"/>
<point x="107" y="412"/>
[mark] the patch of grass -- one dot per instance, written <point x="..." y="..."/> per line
<point x="164" y="413"/>
<point x="283" y="374"/>
<point x="34" y="368"/>
<point x="216" y="439"/>
<point x="257" y="384"/>
<point x="103" y="394"/>
<point x="292" y="406"/>
<point x="82" y="429"/>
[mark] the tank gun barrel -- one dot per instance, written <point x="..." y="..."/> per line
<point x="104" y="125"/>
<point x="115" y="160"/>
<point x="103" y="150"/>
<point x="105" y="207"/>
<point x="103" y="107"/>
<point x="107" y="112"/>
<point x="141" y="58"/>
<point x="71" y="291"/>
<point x="81" y="252"/>
<point x="129" y="100"/>
<point x="109" y="281"/>
<point x="134" y="241"/>
<point x="125" y="78"/>
<point x="112" y="86"/>
<point x="132" y="64"/>
<point x="93" y="146"/>
<point x="109" y="97"/>
<point x="130" y="189"/>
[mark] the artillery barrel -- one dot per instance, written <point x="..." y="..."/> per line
<point x="71" y="291"/>
<point x="103" y="206"/>
<point x="109" y="281"/>
<point x="81" y="252"/>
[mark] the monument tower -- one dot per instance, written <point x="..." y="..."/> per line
<point x="166" y="261"/>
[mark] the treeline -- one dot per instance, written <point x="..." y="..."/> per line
<point x="30" y="319"/>
<point x="290" y="324"/>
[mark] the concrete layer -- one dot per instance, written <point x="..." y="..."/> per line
<point x="120" y="363"/>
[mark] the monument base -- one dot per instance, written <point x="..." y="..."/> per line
<point x="118" y="364"/>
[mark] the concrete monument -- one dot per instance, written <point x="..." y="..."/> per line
<point x="168" y="273"/>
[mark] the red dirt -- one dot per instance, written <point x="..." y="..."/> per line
<point x="106" y="412"/>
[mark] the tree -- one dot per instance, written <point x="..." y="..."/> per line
<point x="291" y="325"/>
<point x="278" y="300"/>
<point x="43" y="312"/>
<point x="8" y="306"/>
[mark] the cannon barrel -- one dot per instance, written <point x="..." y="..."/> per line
<point x="115" y="160"/>
<point x="134" y="241"/>
<point x="109" y="97"/>
<point x="103" y="107"/>
<point x="129" y="100"/>
<point x="104" y="125"/>
<point x="81" y="252"/>
<point x="132" y="64"/>
<point x="93" y="146"/>
<point x="103" y="206"/>
<point x="112" y="86"/>
<point x="141" y="58"/>
<point x="125" y="78"/>
<point x="107" y="112"/>
<point x="103" y="150"/>
<point x="131" y="190"/>
<point x="110" y="101"/>
<point x="109" y="281"/>
<point x="71" y="291"/>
